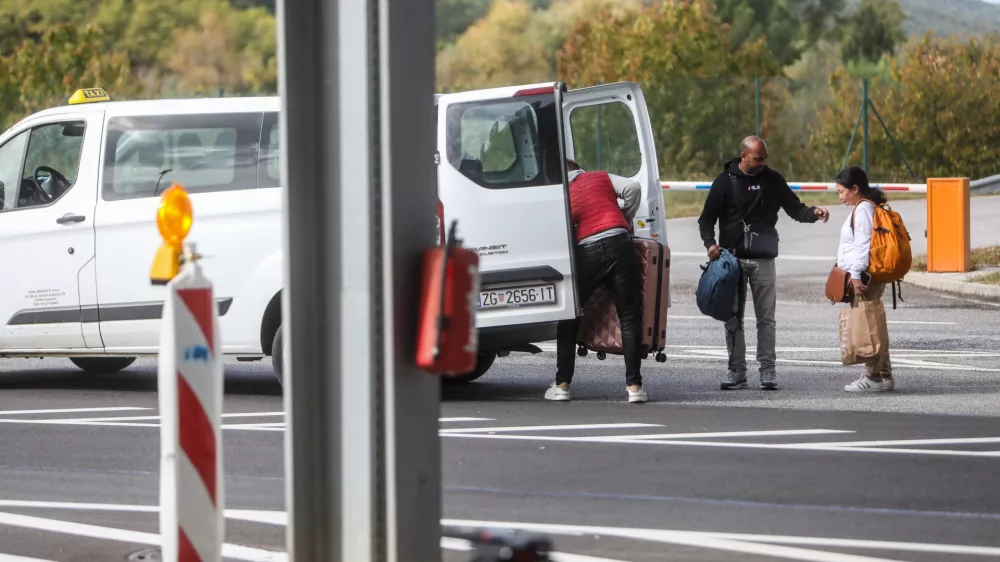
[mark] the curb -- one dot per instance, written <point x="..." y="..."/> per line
<point x="937" y="283"/>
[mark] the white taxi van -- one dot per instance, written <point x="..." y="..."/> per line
<point x="80" y="185"/>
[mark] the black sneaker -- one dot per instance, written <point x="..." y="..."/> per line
<point x="769" y="381"/>
<point x="733" y="381"/>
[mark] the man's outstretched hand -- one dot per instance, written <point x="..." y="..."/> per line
<point x="713" y="252"/>
<point x="822" y="214"/>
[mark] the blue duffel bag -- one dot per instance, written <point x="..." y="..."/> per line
<point x="719" y="286"/>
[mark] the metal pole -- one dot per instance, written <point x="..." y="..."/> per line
<point x="864" y="109"/>
<point x="599" y="165"/>
<point x="756" y="80"/>
<point x="362" y="452"/>
<point x="850" y="143"/>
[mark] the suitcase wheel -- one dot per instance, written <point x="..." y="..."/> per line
<point x="581" y="351"/>
<point x="601" y="355"/>
<point x="645" y="355"/>
<point x="661" y="357"/>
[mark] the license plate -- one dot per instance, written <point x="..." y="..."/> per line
<point x="514" y="297"/>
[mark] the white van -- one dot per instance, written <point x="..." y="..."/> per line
<point x="80" y="185"/>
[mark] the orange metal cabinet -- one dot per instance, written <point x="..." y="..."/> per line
<point x="948" y="225"/>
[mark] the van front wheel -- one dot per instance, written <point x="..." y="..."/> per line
<point x="102" y="365"/>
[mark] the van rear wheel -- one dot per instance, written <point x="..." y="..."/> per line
<point x="278" y="357"/>
<point x="483" y="363"/>
<point x="102" y="365"/>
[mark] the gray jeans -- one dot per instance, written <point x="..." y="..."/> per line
<point x="762" y="277"/>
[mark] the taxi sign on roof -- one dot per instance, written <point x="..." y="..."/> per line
<point x="88" y="95"/>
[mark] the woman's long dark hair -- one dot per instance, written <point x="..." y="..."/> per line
<point x="855" y="176"/>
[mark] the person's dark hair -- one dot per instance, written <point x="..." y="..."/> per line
<point x="572" y="165"/>
<point x="855" y="176"/>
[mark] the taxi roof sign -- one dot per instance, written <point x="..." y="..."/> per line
<point x="88" y="95"/>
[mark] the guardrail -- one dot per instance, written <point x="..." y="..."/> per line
<point x="804" y="187"/>
<point x="989" y="184"/>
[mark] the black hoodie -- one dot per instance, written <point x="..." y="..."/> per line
<point x="727" y="205"/>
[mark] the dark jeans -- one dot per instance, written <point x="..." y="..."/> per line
<point x="610" y="262"/>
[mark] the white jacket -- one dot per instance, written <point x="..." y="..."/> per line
<point x="855" y="244"/>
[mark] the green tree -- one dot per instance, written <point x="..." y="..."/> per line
<point x="697" y="85"/>
<point x="40" y="74"/>
<point x="874" y="29"/>
<point x="789" y="27"/>
<point x="941" y="102"/>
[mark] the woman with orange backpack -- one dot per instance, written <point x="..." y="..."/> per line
<point x="863" y="230"/>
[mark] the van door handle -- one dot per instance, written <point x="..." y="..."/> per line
<point x="70" y="217"/>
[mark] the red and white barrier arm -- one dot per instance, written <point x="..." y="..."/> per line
<point x="803" y="187"/>
<point x="190" y="393"/>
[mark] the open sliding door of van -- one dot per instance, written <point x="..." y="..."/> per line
<point x="501" y="174"/>
<point x="608" y="129"/>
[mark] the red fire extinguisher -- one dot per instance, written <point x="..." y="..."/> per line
<point x="447" y="343"/>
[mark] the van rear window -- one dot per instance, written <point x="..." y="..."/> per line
<point x="506" y="143"/>
<point x="204" y="153"/>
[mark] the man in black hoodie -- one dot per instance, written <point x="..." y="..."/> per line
<point x="744" y="200"/>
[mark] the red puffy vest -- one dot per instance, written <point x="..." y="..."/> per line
<point x="594" y="205"/>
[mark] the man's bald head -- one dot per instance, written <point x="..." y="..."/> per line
<point x="753" y="154"/>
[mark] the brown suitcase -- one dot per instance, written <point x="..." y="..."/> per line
<point x="600" y="330"/>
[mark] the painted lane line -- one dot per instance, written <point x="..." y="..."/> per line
<point x="722" y="444"/>
<point x="686" y="538"/>
<point x="549" y="427"/>
<point x="865" y="544"/>
<point x="456" y="420"/>
<point x="726" y="434"/>
<point x="70" y="411"/>
<point x="462" y="545"/>
<point x="959" y="441"/>
<point x="123" y="535"/>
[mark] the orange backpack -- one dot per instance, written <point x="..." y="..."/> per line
<point x="889" y="257"/>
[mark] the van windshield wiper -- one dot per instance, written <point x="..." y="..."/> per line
<point x="156" y="190"/>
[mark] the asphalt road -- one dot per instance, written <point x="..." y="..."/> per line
<point x="806" y="473"/>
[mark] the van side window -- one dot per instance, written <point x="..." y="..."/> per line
<point x="11" y="156"/>
<point x="505" y="143"/>
<point x="38" y="166"/>
<point x="605" y="138"/>
<point x="269" y="170"/>
<point x="203" y="153"/>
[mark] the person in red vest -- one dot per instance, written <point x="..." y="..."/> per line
<point x="604" y="256"/>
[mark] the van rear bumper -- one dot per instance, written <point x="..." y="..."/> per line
<point x="511" y="338"/>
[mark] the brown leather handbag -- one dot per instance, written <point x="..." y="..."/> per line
<point x="838" y="286"/>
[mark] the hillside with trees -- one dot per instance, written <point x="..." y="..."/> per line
<point x="934" y="67"/>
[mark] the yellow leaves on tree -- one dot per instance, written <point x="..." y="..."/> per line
<point x="941" y="101"/>
<point x="228" y="49"/>
<point x="40" y="74"/>
<point x="699" y="89"/>
<point x="515" y="44"/>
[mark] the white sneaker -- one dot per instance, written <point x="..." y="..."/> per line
<point x="888" y="383"/>
<point x="637" y="395"/>
<point x="864" y="384"/>
<point x="556" y="393"/>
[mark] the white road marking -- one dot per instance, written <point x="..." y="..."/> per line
<point x="825" y="447"/>
<point x="455" y="420"/>
<point x="687" y="538"/>
<point x="958" y="441"/>
<point x="727" y="434"/>
<point x="548" y="427"/>
<point x="280" y="518"/>
<point x="462" y="545"/>
<point x="865" y="544"/>
<point x="918" y="322"/>
<point x="124" y="535"/>
<point x="70" y="410"/>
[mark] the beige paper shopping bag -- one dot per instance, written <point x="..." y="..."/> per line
<point x="863" y="333"/>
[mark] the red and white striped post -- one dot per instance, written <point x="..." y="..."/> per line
<point x="192" y="523"/>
